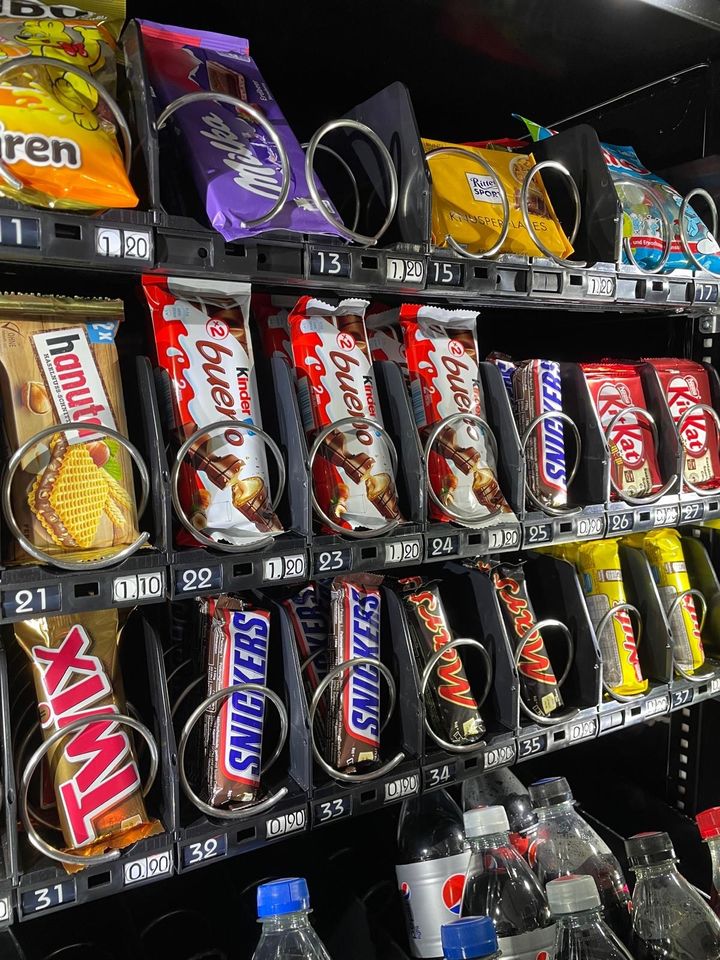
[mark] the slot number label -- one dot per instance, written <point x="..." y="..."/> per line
<point x="666" y="516"/>
<point x="329" y="263"/>
<point x="600" y="286"/>
<point x="440" y="776"/>
<point x="443" y="546"/>
<point x="32" y="600"/>
<point x="444" y="274"/>
<point x="147" y="868"/>
<point x="139" y="587"/>
<point x="621" y="522"/>
<point x="211" y="849"/>
<point x="531" y="746"/>
<point x="400" y="270"/>
<point x="682" y="698"/>
<point x="19" y="232"/>
<point x="335" y="809"/>
<point x="46" y="897"/>
<point x="284" y="568"/>
<point x="589" y="528"/>
<point x="537" y="533"/>
<point x="581" y="730"/>
<point x="403" y="551"/>
<point x="330" y="561"/>
<point x="689" y="512"/>
<point x="130" y="244"/>
<point x="504" y="539"/>
<point x="292" y="822"/>
<point x="202" y="578"/>
<point x="705" y="292"/>
<point x="4" y="910"/>
<point x="402" y="787"/>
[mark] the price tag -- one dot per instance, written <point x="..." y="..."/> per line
<point x="601" y="286"/>
<point x="130" y="244"/>
<point x="690" y="512"/>
<point x="656" y="706"/>
<point x="581" y="730"/>
<point x="327" y="810"/>
<point x="147" y="868"/>
<point x="291" y="567"/>
<point x="621" y="522"/>
<point x="31" y="600"/>
<point x="682" y="698"/>
<point x="499" y="756"/>
<point x="5" y="911"/>
<point x="292" y="822"/>
<point x="443" y="546"/>
<point x="43" y="898"/>
<point x="440" y="776"/>
<point x="329" y="263"/>
<point x="611" y="721"/>
<point x="20" y="232"/>
<point x="531" y="746"/>
<point x="141" y="586"/>
<point x="537" y="533"/>
<point x="590" y="528"/>
<point x="194" y="579"/>
<point x="403" y="551"/>
<point x="400" y="270"/>
<point x="332" y="561"/>
<point x="402" y="787"/>
<point x="705" y="292"/>
<point x="666" y="516"/>
<point x="443" y="273"/>
<point x="211" y="849"/>
<point x="503" y="538"/>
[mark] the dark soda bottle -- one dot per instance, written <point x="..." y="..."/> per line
<point x="581" y="932"/>
<point x="709" y="826"/>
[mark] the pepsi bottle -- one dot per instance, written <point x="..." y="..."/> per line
<point x="432" y="860"/>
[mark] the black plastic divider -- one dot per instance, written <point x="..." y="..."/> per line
<point x="43" y="885"/>
<point x="31" y="589"/>
<point x="202" y="839"/>
<point x="694" y="508"/>
<point x="8" y="824"/>
<point x="703" y="577"/>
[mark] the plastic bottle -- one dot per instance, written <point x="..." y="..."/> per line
<point x="709" y="826"/>
<point x="283" y="907"/>
<point x="432" y="861"/>
<point x="503" y="787"/>
<point x="581" y="933"/>
<point x="471" y="939"/>
<point x="565" y="843"/>
<point x="671" y="921"/>
<point x="502" y="886"/>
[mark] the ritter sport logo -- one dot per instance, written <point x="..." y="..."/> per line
<point x="452" y="892"/>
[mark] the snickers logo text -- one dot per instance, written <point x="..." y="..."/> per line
<point x="552" y="439"/>
<point x="361" y="695"/>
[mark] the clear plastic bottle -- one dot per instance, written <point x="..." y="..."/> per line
<point x="709" y="826"/>
<point x="671" y="921"/>
<point x="283" y="908"/>
<point x="581" y="932"/>
<point x="503" y="787"/>
<point x="432" y="861"/>
<point x="471" y="939"/>
<point x="500" y="885"/>
<point x="565" y="843"/>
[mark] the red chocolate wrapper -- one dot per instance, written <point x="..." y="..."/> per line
<point x="309" y="617"/>
<point x="385" y="336"/>
<point x="686" y="383"/>
<point x="272" y="315"/>
<point x="634" y="466"/>
<point x="442" y="355"/>
<point x="353" y="476"/>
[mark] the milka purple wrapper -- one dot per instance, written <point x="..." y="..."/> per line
<point x="235" y="165"/>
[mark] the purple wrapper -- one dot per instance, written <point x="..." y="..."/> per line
<point x="234" y="163"/>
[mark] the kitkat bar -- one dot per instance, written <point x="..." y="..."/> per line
<point x="685" y="384"/>
<point x="98" y="788"/>
<point x="614" y="387"/>
<point x="452" y="709"/>
<point x="442" y="355"/>
<point x="203" y="346"/>
<point x="237" y="638"/>
<point x="353" y="475"/>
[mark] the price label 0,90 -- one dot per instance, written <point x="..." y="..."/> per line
<point x="403" y="551"/>
<point x="402" y="787"/>
<point x="211" y="849"/>
<point x="192" y="580"/>
<point x="129" y="244"/>
<point x="148" y="868"/>
<point x="284" y="823"/>
<point x="141" y="586"/>
<point x="589" y="528"/>
<point x="401" y="270"/>
<point x="667" y="516"/>
<point x="290" y="567"/>
<point x="581" y="730"/>
<point x="30" y="600"/>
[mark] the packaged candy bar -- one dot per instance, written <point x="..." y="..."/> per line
<point x="271" y="312"/>
<point x="642" y="224"/>
<point x="538" y="390"/>
<point x="56" y="133"/>
<point x="598" y="564"/>
<point x="352" y="474"/>
<point x="97" y="783"/>
<point x="235" y="165"/>
<point x="685" y="384"/>
<point x="507" y="367"/>
<point x="664" y="551"/>
<point x="385" y="337"/>
<point x="451" y="706"/>
<point x="308" y="614"/>
<point x="73" y="495"/>
<point x="237" y="639"/>
<point x="203" y="345"/>
<point x="634" y="466"/>
<point x="442" y="353"/>
<point x="539" y="689"/>
<point x="354" y="697"/>
<point x="466" y="203"/>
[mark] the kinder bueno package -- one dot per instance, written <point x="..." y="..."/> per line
<point x="204" y="349"/>
<point x="353" y="476"/>
<point x="614" y="387"/>
<point x="234" y="163"/>
<point x="442" y="355"/>
<point x="237" y="638"/>
<point x="385" y="335"/>
<point x="538" y="390"/>
<point x="685" y="384"/>
<point x="271" y="312"/>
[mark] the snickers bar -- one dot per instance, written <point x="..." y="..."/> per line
<point x="538" y="390"/>
<point x="308" y="616"/>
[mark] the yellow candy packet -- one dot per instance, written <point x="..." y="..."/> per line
<point x="466" y="203"/>
<point x="664" y="551"/>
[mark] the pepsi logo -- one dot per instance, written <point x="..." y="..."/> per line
<point x="405" y="890"/>
<point x="452" y="892"/>
<point x="543" y="955"/>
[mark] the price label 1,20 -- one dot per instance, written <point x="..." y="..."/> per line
<point x="290" y="567"/>
<point x="402" y="270"/>
<point x="600" y="286"/>
<point x="503" y="538"/>
<point x="403" y="551"/>
<point x="27" y="601"/>
<point x="129" y="244"/>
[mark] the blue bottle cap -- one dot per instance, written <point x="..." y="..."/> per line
<point x="282" y="896"/>
<point x="469" y="939"/>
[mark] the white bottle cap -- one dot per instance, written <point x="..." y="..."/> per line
<point x="483" y="821"/>
<point x="572" y="894"/>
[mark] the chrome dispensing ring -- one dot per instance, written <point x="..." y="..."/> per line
<point x="693" y="678"/>
<point x="666" y="225"/>
<point x="667" y="487"/>
<point x="684" y="239"/>
<point x="602" y="626"/>
<point x="346" y="167"/>
<point x="529" y="226"/>
<point x="540" y="625"/>
<point x="524" y="440"/>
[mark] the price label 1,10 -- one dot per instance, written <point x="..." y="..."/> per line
<point x="141" y="586"/>
<point x="129" y="244"/>
<point x="291" y="567"/>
